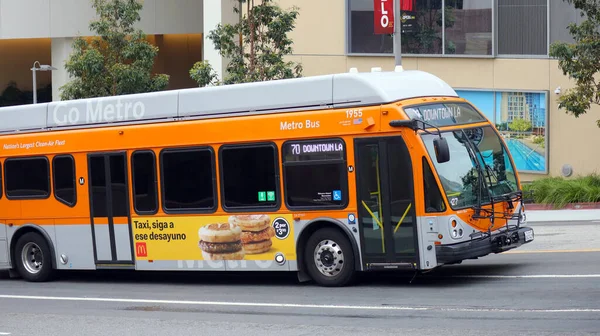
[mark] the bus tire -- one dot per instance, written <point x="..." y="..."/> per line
<point x="32" y="258"/>
<point x="329" y="258"/>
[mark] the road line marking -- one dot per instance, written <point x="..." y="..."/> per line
<point x="297" y="305"/>
<point x="4" y="333"/>
<point x="551" y="251"/>
<point x="525" y="276"/>
<point x="207" y="303"/>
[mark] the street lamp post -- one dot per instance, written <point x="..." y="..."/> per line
<point x="34" y="71"/>
<point x="398" y="33"/>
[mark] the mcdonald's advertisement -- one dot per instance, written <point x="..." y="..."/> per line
<point x="237" y="237"/>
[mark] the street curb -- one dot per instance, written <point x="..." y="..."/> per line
<point x="566" y="215"/>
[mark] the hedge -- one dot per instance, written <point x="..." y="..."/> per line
<point x="558" y="191"/>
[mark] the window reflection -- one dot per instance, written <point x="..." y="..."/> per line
<point x="468" y="27"/>
<point x="460" y="176"/>
<point x="467" y="24"/>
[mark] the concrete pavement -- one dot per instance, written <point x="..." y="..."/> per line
<point x="568" y="215"/>
<point x="550" y="288"/>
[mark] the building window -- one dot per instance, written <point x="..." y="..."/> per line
<point x="561" y="14"/>
<point x="143" y="165"/>
<point x="468" y="28"/>
<point x="63" y="171"/>
<point x="249" y="176"/>
<point x="522" y="27"/>
<point x="187" y="177"/>
<point x="361" y="36"/>
<point x="315" y="174"/>
<point x="27" y="178"/>
<point x="422" y="30"/>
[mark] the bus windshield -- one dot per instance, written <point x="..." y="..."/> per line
<point x="471" y="148"/>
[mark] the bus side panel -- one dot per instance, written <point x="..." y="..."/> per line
<point x="428" y="229"/>
<point x="73" y="225"/>
<point x="4" y="263"/>
<point x="173" y="243"/>
<point x="186" y="255"/>
<point x="74" y="240"/>
<point x="45" y="226"/>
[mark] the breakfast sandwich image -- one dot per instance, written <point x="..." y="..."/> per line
<point x="221" y="241"/>
<point x="256" y="232"/>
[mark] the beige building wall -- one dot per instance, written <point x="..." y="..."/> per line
<point x="320" y="45"/>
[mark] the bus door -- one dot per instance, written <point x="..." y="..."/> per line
<point x="386" y="207"/>
<point x="109" y="207"/>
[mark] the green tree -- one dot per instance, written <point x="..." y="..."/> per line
<point x="119" y="61"/>
<point x="260" y="56"/>
<point x="520" y="125"/>
<point x="581" y="60"/>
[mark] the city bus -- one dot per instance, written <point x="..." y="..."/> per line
<point x="326" y="176"/>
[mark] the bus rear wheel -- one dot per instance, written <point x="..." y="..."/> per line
<point x="329" y="258"/>
<point x="32" y="258"/>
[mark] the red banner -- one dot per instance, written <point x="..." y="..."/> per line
<point x="407" y="5"/>
<point x="384" y="16"/>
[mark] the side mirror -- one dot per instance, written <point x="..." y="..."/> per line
<point x="442" y="151"/>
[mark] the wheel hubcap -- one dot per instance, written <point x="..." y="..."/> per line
<point x="32" y="258"/>
<point x="329" y="258"/>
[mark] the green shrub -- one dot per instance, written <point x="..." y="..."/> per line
<point x="559" y="191"/>
<point x="539" y="140"/>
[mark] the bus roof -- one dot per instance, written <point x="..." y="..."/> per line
<point x="343" y="90"/>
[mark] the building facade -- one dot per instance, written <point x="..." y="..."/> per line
<point x="493" y="52"/>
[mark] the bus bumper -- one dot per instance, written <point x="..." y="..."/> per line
<point x="473" y="249"/>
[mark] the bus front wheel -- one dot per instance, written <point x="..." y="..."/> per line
<point x="329" y="258"/>
<point x="32" y="258"/>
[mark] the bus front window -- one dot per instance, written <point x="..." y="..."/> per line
<point x="460" y="176"/>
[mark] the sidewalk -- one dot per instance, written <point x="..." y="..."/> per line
<point x="566" y="215"/>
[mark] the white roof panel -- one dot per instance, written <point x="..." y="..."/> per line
<point x="22" y="117"/>
<point x="114" y="109"/>
<point x="308" y="93"/>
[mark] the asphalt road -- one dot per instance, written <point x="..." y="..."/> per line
<point x="550" y="288"/>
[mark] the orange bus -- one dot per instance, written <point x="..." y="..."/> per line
<point x="325" y="176"/>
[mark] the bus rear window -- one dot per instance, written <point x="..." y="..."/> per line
<point x="315" y="174"/>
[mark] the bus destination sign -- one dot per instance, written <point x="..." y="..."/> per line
<point x="445" y="114"/>
<point x="315" y="150"/>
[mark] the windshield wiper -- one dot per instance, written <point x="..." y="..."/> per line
<point x="475" y="153"/>
<point x="472" y="150"/>
<point x="508" y="197"/>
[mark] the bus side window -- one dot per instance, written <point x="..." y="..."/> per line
<point x="63" y="171"/>
<point x="187" y="179"/>
<point x="143" y="166"/>
<point x="315" y="174"/>
<point x="433" y="197"/>
<point x="249" y="176"/>
<point x="27" y="178"/>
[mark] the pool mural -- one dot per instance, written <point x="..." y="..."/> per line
<point x="520" y="118"/>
